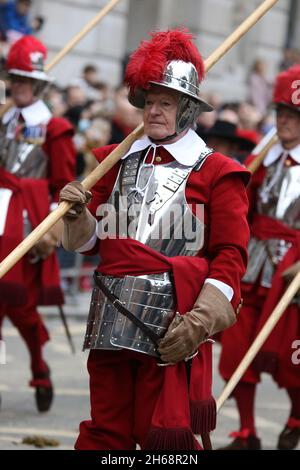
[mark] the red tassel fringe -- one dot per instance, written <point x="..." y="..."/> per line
<point x="203" y="416"/>
<point x="171" y="439"/>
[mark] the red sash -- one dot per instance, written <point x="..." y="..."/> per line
<point x="180" y="410"/>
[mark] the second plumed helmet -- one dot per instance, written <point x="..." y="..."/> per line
<point x="170" y="59"/>
<point x="26" y="58"/>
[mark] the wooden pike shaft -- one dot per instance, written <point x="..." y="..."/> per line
<point x="260" y="339"/>
<point x="86" y="29"/>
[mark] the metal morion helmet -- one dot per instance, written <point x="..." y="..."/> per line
<point x="170" y="59"/>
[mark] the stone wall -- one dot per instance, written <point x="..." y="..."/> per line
<point x="211" y="21"/>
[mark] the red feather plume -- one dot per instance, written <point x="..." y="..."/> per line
<point x="19" y="54"/>
<point x="286" y="86"/>
<point x="148" y="62"/>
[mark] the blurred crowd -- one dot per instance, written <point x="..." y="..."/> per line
<point x="102" y="115"/>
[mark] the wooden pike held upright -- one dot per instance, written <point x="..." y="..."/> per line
<point x="260" y="339"/>
<point x="86" y="29"/>
<point x="118" y="152"/>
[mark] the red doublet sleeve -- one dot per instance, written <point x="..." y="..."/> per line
<point x="223" y="183"/>
<point x="62" y="155"/>
<point x="102" y="190"/>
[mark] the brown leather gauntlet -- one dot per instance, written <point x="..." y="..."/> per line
<point x="212" y="312"/>
<point x="79" y="224"/>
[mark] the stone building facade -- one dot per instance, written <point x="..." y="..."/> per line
<point x="211" y="21"/>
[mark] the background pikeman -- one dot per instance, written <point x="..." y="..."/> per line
<point x="32" y="171"/>
<point x="274" y="196"/>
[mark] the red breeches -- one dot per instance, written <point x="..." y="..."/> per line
<point x="28" y="321"/>
<point x="124" y="386"/>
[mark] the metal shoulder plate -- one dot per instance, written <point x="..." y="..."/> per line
<point x="203" y="156"/>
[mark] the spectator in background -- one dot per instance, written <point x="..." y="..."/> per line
<point x="37" y="24"/>
<point x="290" y="57"/>
<point x="226" y="137"/>
<point x="14" y="19"/>
<point x="89" y="82"/>
<point x="76" y="101"/>
<point x="260" y="87"/>
<point x="222" y="137"/>
<point x="125" y="118"/>
<point x="249" y="116"/>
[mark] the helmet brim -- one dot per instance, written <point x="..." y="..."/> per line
<point x="137" y="98"/>
<point x="35" y="75"/>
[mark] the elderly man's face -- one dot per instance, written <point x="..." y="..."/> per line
<point x="160" y="112"/>
<point x="288" y="126"/>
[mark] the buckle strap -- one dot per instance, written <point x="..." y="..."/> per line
<point x="115" y="301"/>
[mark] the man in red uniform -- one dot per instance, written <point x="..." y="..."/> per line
<point x="37" y="158"/>
<point x="170" y="269"/>
<point x="273" y="250"/>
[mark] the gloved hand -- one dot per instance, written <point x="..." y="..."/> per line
<point x="75" y="192"/>
<point x="211" y="313"/>
<point x="43" y="248"/>
<point x="47" y="244"/>
<point x="79" y="224"/>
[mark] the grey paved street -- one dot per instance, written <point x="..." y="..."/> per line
<point x="19" y="418"/>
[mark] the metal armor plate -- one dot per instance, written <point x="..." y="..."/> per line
<point x="22" y="158"/>
<point x="151" y="298"/>
<point x="281" y="199"/>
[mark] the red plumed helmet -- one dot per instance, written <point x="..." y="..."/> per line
<point x="287" y="88"/>
<point x="26" y="58"/>
<point x="169" y="59"/>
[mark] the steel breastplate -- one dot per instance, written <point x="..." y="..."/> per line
<point x="22" y="158"/>
<point x="151" y="298"/>
<point x="278" y="198"/>
<point x="282" y="200"/>
<point x="151" y="207"/>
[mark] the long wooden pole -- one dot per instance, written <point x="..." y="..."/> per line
<point x="261" y="150"/>
<point x="256" y="162"/>
<point x="118" y="152"/>
<point x="260" y="339"/>
<point x="244" y="27"/>
<point x="86" y="29"/>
